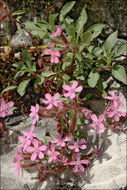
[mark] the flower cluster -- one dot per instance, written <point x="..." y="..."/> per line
<point x="55" y="151"/>
<point x="113" y="110"/>
<point x="65" y="151"/>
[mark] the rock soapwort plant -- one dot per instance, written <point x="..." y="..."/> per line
<point x="73" y="65"/>
<point x="66" y="151"/>
<point x="68" y="49"/>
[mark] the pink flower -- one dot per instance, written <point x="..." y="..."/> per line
<point x="36" y="150"/>
<point x="77" y="145"/>
<point x="17" y="165"/>
<point x="17" y="162"/>
<point x="113" y="111"/>
<point x="78" y="164"/>
<point x="30" y="134"/>
<point x="97" y="122"/>
<point x="34" y="113"/>
<point x="54" y="54"/>
<point x="68" y="138"/>
<point x="19" y="156"/>
<point x="4" y="109"/>
<point x="25" y="142"/>
<point x="58" y="31"/>
<point x="87" y="113"/>
<point x="59" y="141"/>
<point x="72" y="89"/>
<point x="52" y="101"/>
<point x="116" y="99"/>
<point x="53" y="154"/>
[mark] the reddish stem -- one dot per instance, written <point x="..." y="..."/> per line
<point x="64" y="39"/>
<point x="59" y="125"/>
<point x="29" y="165"/>
<point x="73" y="124"/>
<point x="56" y="41"/>
<point x="46" y="116"/>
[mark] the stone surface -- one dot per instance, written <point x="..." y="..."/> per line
<point x="21" y="40"/>
<point x="110" y="12"/>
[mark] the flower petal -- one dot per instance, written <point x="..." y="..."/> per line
<point x="10" y="104"/>
<point x="40" y="155"/>
<point x="49" y="106"/>
<point x="34" y="155"/>
<point x="94" y="118"/>
<point x="47" y="51"/>
<point x="48" y="96"/>
<point x="43" y="148"/>
<point x="35" y="143"/>
<point x="81" y="168"/>
<point x="101" y="118"/>
<point x="56" y="96"/>
<point x="79" y="89"/>
<point x="74" y="85"/>
<point x="66" y="87"/>
<point x="72" y="95"/>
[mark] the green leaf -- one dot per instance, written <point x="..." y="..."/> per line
<point x="47" y="139"/>
<point x="78" y="56"/>
<point x="119" y="73"/>
<point x="86" y="38"/>
<point x="110" y="43"/>
<point x="47" y="73"/>
<point x="97" y="51"/>
<point x="68" y="61"/>
<point x="81" y="21"/>
<point x="19" y="12"/>
<point x="96" y="29"/>
<point x="80" y="78"/>
<point x="101" y="84"/>
<point x="70" y="28"/>
<point x="26" y="58"/>
<point x="65" y="77"/>
<point x="39" y="79"/>
<point x="8" y="88"/>
<point x="52" y="18"/>
<point x="31" y="25"/>
<point x="88" y="96"/>
<point x="19" y="74"/>
<point x="93" y="78"/>
<point x="42" y="24"/>
<point x="19" y="65"/>
<point x="19" y="29"/>
<point x="33" y="68"/>
<point x="65" y="65"/>
<point x="40" y="33"/>
<point x="22" y="87"/>
<point x="121" y="49"/>
<point x="13" y="108"/>
<point x="65" y="10"/>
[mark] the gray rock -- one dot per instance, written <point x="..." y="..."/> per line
<point x="112" y="13"/>
<point x="19" y="40"/>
